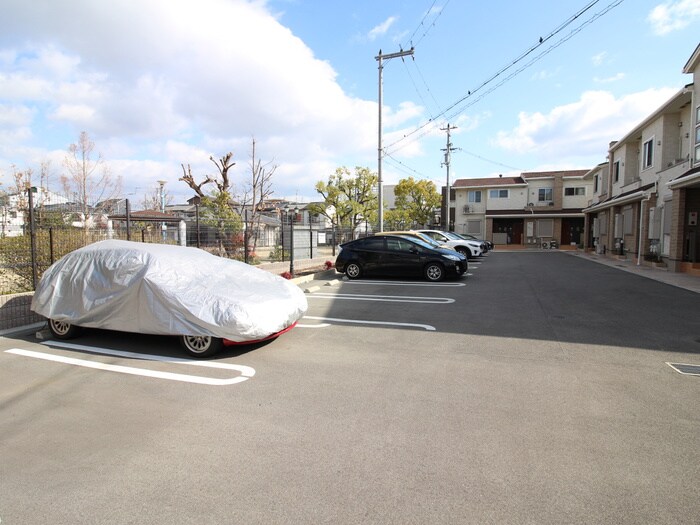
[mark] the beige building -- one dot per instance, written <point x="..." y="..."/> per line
<point x="647" y="196"/>
<point x="534" y="209"/>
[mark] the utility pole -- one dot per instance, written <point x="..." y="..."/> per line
<point x="448" y="149"/>
<point x="380" y="194"/>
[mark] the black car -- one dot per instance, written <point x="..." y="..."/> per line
<point x="396" y="255"/>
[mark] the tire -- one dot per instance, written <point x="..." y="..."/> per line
<point x="434" y="272"/>
<point x="464" y="251"/>
<point x="63" y="329"/>
<point x="201" y="345"/>
<point x="353" y="270"/>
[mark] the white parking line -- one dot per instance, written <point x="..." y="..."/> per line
<point x="361" y="321"/>
<point x="246" y="372"/>
<point x="384" y="298"/>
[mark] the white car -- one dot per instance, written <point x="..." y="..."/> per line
<point x="207" y="301"/>
<point x="466" y="247"/>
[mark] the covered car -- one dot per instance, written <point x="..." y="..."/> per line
<point x="168" y="290"/>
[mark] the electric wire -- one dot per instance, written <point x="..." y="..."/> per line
<point x="432" y="24"/>
<point x="421" y="131"/>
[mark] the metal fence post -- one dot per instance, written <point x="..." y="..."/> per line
<point x="32" y="237"/>
<point x="51" y="247"/>
<point x="128" y="220"/>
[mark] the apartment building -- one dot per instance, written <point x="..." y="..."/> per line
<point x="536" y="209"/>
<point x="646" y="198"/>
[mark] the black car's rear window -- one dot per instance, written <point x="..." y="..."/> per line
<point x="368" y="243"/>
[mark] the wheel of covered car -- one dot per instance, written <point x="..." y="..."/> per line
<point x="434" y="272"/>
<point x="63" y="329"/>
<point x="201" y="345"/>
<point x="353" y="271"/>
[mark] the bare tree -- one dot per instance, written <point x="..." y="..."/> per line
<point x="88" y="179"/>
<point x="257" y="192"/>
<point x="156" y="198"/>
<point x="219" y="202"/>
<point x="221" y="182"/>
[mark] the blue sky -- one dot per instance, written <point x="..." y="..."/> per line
<point x="159" y="83"/>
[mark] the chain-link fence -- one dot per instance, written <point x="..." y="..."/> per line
<point x="34" y="237"/>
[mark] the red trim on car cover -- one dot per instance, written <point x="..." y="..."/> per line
<point x="228" y="342"/>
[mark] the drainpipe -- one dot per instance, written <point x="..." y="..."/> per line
<point x="641" y="217"/>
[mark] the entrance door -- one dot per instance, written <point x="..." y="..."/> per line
<point x="571" y="231"/>
<point x="513" y="228"/>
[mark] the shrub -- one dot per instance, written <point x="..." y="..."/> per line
<point x="286" y="275"/>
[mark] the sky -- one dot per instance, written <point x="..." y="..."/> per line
<point x="527" y="86"/>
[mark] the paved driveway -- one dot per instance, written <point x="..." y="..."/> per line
<point x="534" y="391"/>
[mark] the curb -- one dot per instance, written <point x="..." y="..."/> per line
<point x="323" y="274"/>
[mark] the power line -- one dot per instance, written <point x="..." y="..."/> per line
<point x="542" y="40"/>
<point x="422" y="22"/>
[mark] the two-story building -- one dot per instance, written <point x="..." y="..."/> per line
<point x="532" y="209"/>
<point x="647" y="198"/>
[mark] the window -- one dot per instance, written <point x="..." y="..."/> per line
<point x="474" y="196"/>
<point x="371" y="243"/>
<point x="498" y="194"/>
<point x="474" y="227"/>
<point x="616" y="171"/>
<point x="399" y="245"/>
<point x="544" y="194"/>
<point x="648" y="154"/>
<point x="545" y="227"/>
<point x="569" y="192"/>
<point x="595" y="184"/>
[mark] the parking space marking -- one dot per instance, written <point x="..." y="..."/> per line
<point x="405" y="283"/>
<point x="384" y="298"/>
<point x="246" y="372"/>
<point x="319" y="325"/>
<point x="361" y="321"/>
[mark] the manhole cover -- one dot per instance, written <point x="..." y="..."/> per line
<point x="689" y="370"/>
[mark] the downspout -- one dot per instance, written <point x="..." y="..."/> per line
<point x="641" y="224"/>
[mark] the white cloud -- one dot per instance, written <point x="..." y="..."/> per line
<point x="175" y="82"/>
<point x="674" y="15"/>
<point x="600" y="58"/>
<point x="381" y="29"/>
<point x="608" y="80"/>
<point x="584" y="127"/>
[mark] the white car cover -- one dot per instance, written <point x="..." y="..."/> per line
<point x="166" y="289"/>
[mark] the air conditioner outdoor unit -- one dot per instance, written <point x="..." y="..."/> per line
<point x="466" y="209"/>
<point x="551" y="204"/>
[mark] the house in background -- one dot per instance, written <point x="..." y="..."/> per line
<point x="532" y="209"/>
<point x="14" y="207"/>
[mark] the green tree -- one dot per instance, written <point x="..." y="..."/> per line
<point x="348" y="199"/>
<point x="417" y="200"/>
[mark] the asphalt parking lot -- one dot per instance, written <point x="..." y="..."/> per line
<point x="536" y="390"/>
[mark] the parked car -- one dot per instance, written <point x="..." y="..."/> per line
<point x="398" y="255"/>
<point x="467" y="247"/>
<point x="488" y="244"/>
<point x="207" y="301"/>
<point x="416" y="234"/>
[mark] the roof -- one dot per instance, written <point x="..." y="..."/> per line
<point x="486" y="182"/>
<point x="692" y="61"/>
<point x="516" y="181"/>
<point x="560" y="173"/>
<point x="146" y="215"/>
